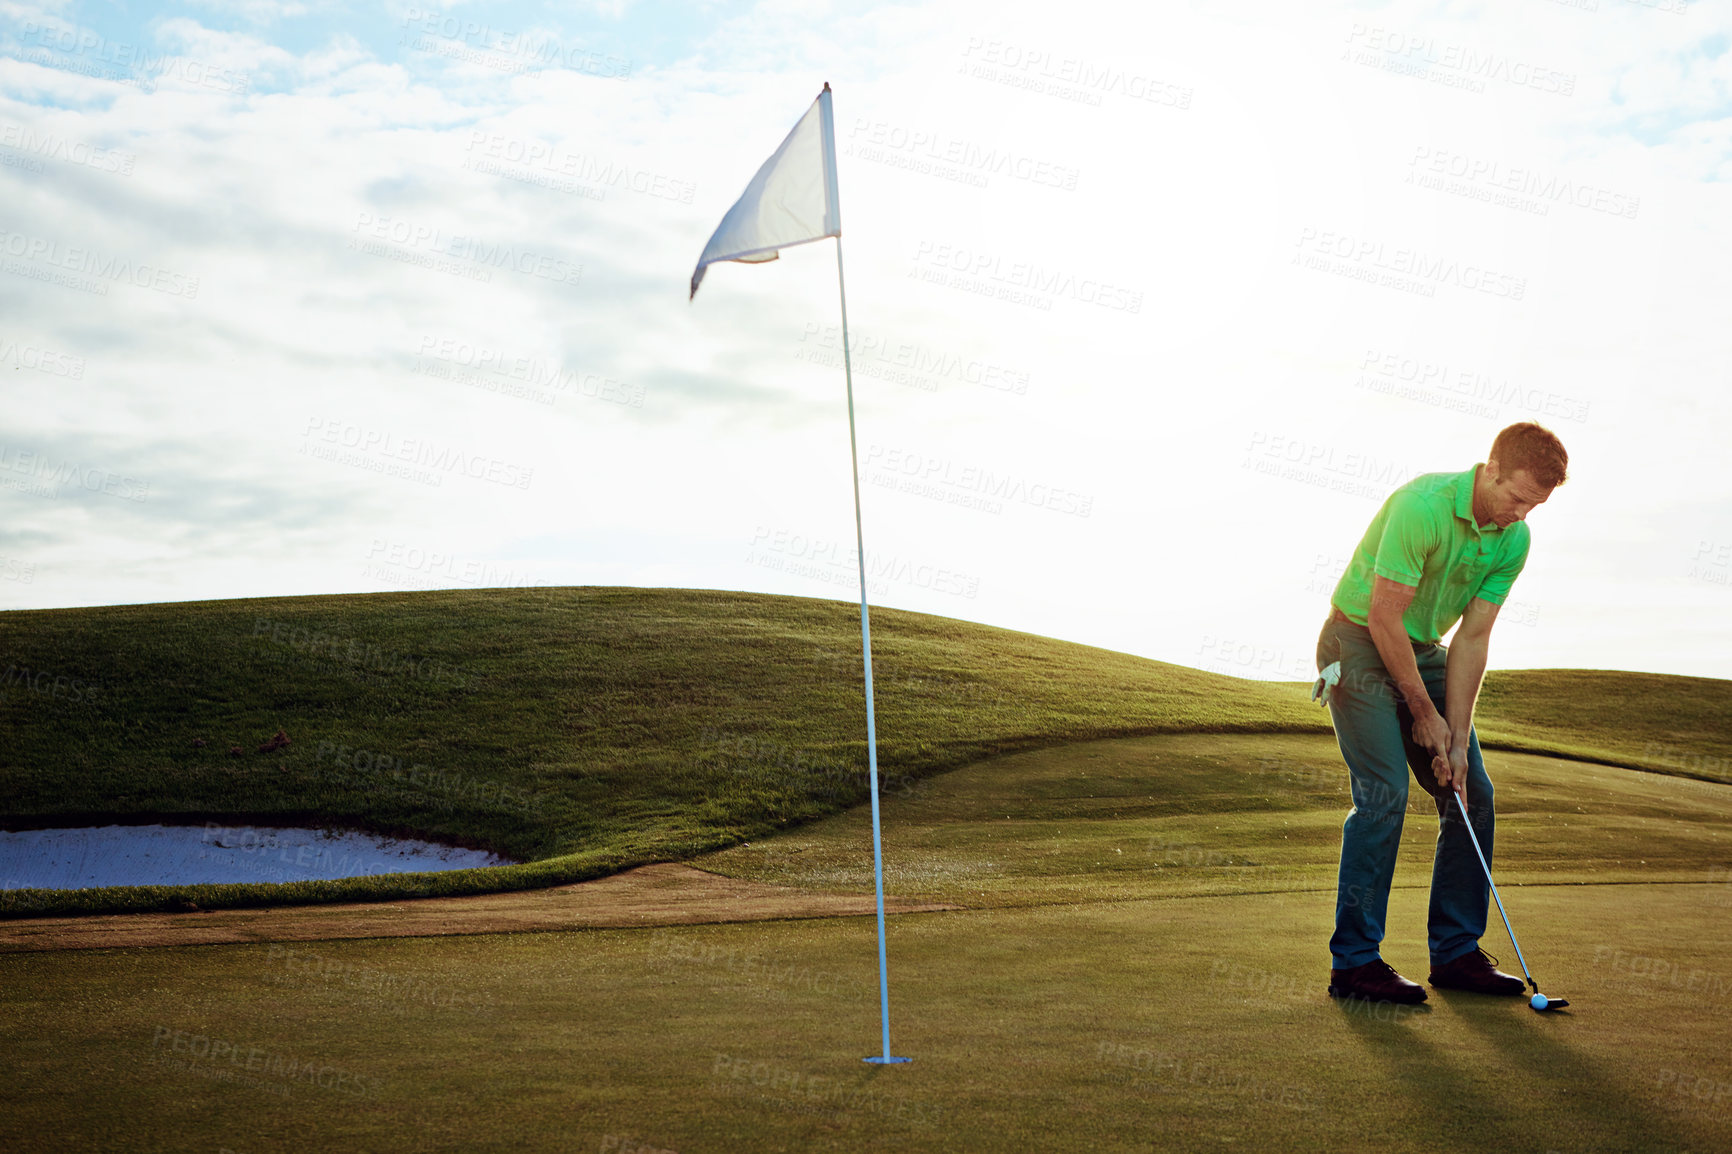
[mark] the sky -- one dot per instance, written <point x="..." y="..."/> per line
<point x="1150" y="307"/>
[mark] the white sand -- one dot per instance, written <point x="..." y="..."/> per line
<point x="138" y="855"/>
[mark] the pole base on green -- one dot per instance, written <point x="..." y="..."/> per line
<point x="886" y="1061"/>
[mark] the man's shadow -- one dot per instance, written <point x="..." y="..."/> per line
<point x="1462" y="1106"/>
<point x="1538" y="1042"/>
<point x="1429" y="1081"/>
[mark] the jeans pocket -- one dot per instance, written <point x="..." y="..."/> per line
<point x="1328" y="646"/>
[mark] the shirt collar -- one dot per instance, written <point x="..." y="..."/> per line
<point x="1464" y="501"/>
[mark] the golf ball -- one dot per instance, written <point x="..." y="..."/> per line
<point x="1538" y="1001"/>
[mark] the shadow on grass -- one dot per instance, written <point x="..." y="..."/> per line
<point x="1432" y="1085"/>
<point x="1508" y="1114"/>
<point x="1534" y="1042"/>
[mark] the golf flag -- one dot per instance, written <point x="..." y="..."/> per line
<point x="791" y="201"/>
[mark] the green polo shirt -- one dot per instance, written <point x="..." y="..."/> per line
<point x="1425" y="536"/>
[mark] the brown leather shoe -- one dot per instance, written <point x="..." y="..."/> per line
<point x="1375" y="981"/>
<point x="1477" y="973"/>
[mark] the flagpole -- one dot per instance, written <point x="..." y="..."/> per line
<point x="866" y="651"/>
<point x="805" y="211"/>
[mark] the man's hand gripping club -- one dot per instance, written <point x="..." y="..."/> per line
<point x="1448" y="748"/>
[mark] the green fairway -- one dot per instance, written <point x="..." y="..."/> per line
<point x="587" y="730"/>
<point x="1190" y="1024"/>
<point x="1146" y="853"/>
<point x="1170" y="1001"/>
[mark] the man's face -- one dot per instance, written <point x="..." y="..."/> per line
<point x="1510" y="497"/>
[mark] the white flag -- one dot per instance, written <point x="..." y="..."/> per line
<point x="791" y="201"/>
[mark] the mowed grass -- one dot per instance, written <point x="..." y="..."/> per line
<point x="1199" y="814"/>
<point x="1175" y="1003"/>
<point x="586" y="730"/>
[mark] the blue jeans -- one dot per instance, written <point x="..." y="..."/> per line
<point x="1374" y="729"/>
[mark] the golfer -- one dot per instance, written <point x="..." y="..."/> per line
<point x="1445" y="547"/>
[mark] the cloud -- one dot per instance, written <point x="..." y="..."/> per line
<point x="466" y="234"/>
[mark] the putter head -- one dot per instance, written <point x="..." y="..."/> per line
<point x="1541" y="1003"/>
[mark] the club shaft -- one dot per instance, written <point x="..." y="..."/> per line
<point x="1468" y="822"/>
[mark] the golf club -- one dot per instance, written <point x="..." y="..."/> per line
<point x="1539" y="1001"/>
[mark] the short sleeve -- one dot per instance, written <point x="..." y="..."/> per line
<point x="1410" y="535"/>
<point x="1496" y="585"/>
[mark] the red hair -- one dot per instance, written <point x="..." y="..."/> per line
<point x="1535" y="448"/>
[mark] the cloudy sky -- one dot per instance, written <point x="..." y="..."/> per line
<point x="1150" y="308"/>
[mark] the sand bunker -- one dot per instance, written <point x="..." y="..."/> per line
<point x="143" y="855"/>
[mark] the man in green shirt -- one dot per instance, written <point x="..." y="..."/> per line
<point x="1445" y="547"/>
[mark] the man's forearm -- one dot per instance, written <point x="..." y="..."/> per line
<point x="1397" y="653"/>
<point x="1461" y="679"/>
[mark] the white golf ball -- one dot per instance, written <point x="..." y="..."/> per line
<point x="1538" y="1002"/>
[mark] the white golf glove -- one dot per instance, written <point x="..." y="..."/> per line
<point x="1320" y="688"/>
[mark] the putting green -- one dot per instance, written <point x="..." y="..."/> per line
<point x="1171" y="1001"/>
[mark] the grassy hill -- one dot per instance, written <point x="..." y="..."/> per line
<point x="585" y="730"/>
